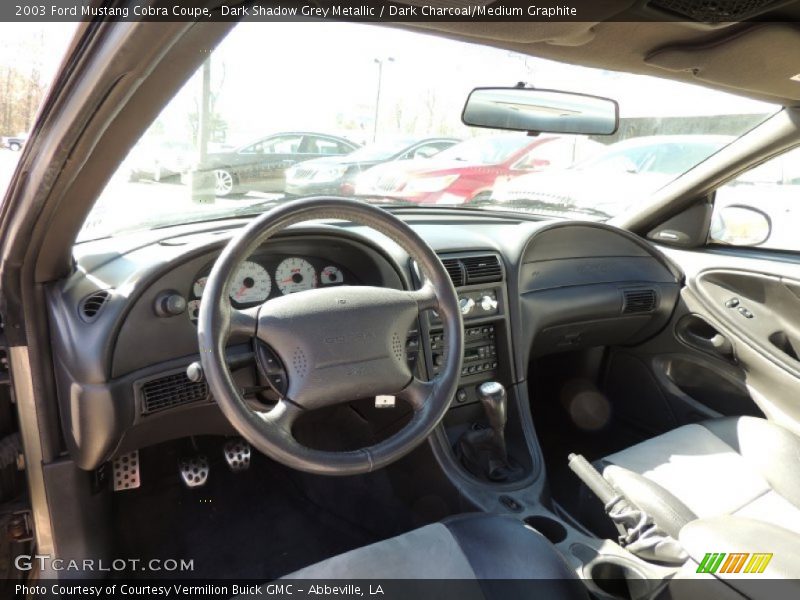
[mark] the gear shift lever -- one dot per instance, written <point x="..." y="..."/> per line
<point x="483" y="451"/>
<point x="493" y="397"/>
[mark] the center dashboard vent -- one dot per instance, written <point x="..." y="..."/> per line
<point x="90" y="307"/>
<point x="474" y="269"/>
<point x="456" y="271"/>
<point x="638" y="301"/>
<point x="483" y="269"/>
<point x="170" y="391"/>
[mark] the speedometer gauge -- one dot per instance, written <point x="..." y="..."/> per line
<point x="250" y="284"/>
<point x="295" y="275"/>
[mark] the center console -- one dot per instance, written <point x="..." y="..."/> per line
<point x="483" y="425"/>
<point x="479" y="279"/>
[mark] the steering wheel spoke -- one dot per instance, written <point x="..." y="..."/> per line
<point x="244" y="321"/>
<point x="426" y="297"/>
<point x="417" y="392"/>
<point x="283" y="415"/>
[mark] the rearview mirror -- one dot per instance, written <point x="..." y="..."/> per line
<point x="740" y="226"/>
<point x="540" y="111"/>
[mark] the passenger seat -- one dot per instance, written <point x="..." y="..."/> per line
<point x="740" y="466"/>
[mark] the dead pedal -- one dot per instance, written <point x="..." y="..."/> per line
<point x="194" y="471"/>
<point x="237" y="454"/>
<point x="126" y="471"/>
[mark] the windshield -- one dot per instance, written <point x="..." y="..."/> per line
<point x="380" y="150"/>
<point x="486" y="151"/>
<point x="665" y="155"/>
<point x="236" y="138"/>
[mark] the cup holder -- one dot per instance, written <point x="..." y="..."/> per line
<point x="549" y="528"/>
<point x="619" y="578"/>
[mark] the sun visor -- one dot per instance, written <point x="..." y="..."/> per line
<point x="761" y="59"/>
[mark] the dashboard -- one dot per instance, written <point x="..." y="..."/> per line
<point x="124" y="323"/>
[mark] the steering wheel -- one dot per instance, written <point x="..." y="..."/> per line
<point x="337" y="344"/>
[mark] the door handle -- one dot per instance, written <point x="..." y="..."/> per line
<point x="717" y="344"/>
<point x="698" y="333"/>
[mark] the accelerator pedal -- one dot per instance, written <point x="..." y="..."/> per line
<point x="237" y="454"/>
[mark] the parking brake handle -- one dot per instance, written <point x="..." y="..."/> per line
<point x="638" y="533"/>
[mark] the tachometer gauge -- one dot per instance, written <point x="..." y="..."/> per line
<point x="193" y="309"/>
<point x="331" y="275"/>
<point x="250" y="284"/>
<point x="295" y="275"/>
<point x="199" y="286"/>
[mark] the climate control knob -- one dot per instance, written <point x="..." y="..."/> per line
<point x="466" y="305"/>
<point x="488" y="303"/>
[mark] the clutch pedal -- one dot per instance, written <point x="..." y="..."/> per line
<point x="237" y="454"/>
<point x="194" y="471"/>
<point x="126" y="471"/>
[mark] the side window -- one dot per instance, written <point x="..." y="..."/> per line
<point x="325" y="146"/>
<point x="761" y="207"/>
<point x="429" y="150"/>
<point x="283" y="145"/>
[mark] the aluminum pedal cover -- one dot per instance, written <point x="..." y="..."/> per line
<point x="237" y="454"/>
<point x="126" y="471"/>
<point x="194" y="471"/>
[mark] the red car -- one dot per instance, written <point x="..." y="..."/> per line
<point x="465" y="171"/>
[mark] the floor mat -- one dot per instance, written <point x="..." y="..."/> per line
<point x="559" y="437"/>
<point x="257" y="524"/>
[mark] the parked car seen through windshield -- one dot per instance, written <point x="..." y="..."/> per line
<point x="392" y="133"/>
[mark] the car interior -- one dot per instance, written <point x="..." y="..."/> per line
<point x="403" y="391"/>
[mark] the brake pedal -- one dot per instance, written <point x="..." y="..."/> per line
<point x="194" y="471"/>
<point x="237" y="454"/>
<point x="126" y="471"/>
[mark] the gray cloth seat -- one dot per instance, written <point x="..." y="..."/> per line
<point x="495" y="557"/>
<point x="741" y="466"/>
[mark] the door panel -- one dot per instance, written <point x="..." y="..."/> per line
<point x="733" y="345"/>
<point x="679" y="376"/>
<point x="764" y="310"/>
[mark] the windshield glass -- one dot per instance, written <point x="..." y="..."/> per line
<point x="380" y="150"/>
<point x="486" y="150"/>
<point x="236" y="138"/>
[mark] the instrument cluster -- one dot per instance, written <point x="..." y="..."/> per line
<point x="260" y="278"/>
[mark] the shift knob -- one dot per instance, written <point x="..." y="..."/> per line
<point x="493" y="397"/>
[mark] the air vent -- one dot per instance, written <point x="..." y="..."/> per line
<point x="715" y="11"/>
<point x="483" y="269"/>
<point x="92" y="304"/>
<point x="455" y="269"/>
<point x="171" y="391"/>
<point x="638" y="301"/>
